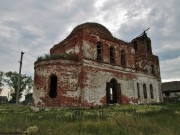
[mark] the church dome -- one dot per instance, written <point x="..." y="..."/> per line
<point x="93" y="28"/>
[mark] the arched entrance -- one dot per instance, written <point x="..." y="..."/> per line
<point x="112" y="92"/>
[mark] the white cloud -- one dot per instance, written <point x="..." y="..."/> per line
<point x="99" y="4"/>
<point x="170" y="69"/>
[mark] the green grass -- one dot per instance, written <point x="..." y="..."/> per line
<point x="160" y="119"/>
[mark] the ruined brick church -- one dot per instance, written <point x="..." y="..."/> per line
<point x="91" y="68"/>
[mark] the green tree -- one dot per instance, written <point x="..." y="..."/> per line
<point x="12" y="81"/>
<point x="1" y="81"/>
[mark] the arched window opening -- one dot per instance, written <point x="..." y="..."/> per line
<point x="145" y="91"/>
<point x="53" y="86"/>
<point x="151" y="91"/>
<point x="112" y="59"/>
<point x="123" y="58"/>
<point x="138" y="91"/>
<point x="99" y="52"/>
<point x="135" y="46"/>
<point x="152" y="69"/>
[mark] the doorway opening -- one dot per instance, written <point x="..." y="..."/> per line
<point x="112" y="91"/>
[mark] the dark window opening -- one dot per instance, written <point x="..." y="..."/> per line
<point x="99" y="53"/>
<point x="112" y="91"/>
<point x="152" y="69"/>
<point x="112" y="59"/>
<point x="123" y="58"/>
<point x="135" y="46"/>
<point x="53" y="86"/>
<point x="144" y="91"/>
<point x="167" y="94"/>
<point x="148" y="46"/>
<point x="138" y="91"/>
<point x="151" y="91"/>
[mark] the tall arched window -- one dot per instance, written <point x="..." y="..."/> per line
<point x="123" y="58"/>
<point x="145" y="91"/>
<point x="138" y="91"/>
<point x="53" y="86"/>
<point x="152" y="69"/>
<point x="99" y="52"/>
<point x="151" y="91"/>
<point x="112" y="54"/>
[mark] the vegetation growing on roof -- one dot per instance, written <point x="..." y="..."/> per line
<point x="64" y="56"/>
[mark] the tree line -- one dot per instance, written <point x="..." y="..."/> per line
<point x="10" y="79"/>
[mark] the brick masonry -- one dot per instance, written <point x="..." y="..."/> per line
<point x="86" y="82"/>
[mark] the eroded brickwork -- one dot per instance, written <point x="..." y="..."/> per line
<point x="89" y="81"/>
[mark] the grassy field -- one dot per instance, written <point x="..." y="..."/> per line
<point x="160" y="119"/>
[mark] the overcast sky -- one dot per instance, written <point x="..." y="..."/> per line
<point x="34" y="26"/>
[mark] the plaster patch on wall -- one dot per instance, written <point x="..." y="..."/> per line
<point x="37" y="94"/>
<point x="87" y="50"/>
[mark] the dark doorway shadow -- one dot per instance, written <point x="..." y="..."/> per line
<point x="112" y="91"/>
<point x="53" y="86"/>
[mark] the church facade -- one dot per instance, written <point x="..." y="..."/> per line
<point x="92" y="68"/>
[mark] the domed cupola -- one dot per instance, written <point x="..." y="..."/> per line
<point x="92" y="28"/>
